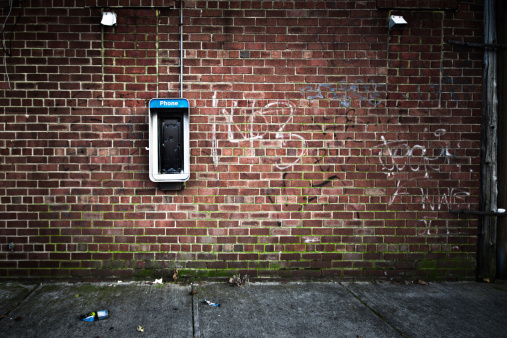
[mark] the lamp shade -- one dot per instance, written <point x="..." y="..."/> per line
<point x="108" y="19"/>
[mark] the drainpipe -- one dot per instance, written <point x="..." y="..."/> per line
<point x="501" y="244"/>
<point x="486" y="259"/>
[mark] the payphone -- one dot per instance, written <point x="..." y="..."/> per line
<point x="169" y="143"/>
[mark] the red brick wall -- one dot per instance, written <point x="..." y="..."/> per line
<point x="322" y="145"/>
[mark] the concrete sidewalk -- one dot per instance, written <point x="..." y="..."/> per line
<point x="257" y="310"/>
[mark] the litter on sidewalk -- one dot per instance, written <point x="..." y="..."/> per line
<point x="93" y="316"/>
<point x="210" y="303"/>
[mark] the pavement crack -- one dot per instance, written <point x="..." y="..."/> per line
<point x="6" y="314"/>
<point x="373" y="310"/>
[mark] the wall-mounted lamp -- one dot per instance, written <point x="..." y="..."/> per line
<point x="108" y="19"/>
<point x="396" y="21"/>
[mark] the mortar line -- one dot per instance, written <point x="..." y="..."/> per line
<point x="195" y="313"/>
<point x="6" y="314"/>
<point x="373" y="310"/>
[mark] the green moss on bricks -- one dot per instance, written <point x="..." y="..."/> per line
<point x="279" y="265"/>
<point x="274" y="265"/>
<point x="433" y="275"/>
<point x="426" y="264"/>
<point x="205" y="273"/>
<point x="225" y="273"/>
<point x="143" y="274"/>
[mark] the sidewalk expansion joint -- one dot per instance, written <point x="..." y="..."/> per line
<point x="195" y="312"/>
<point x="6" y="315"/>
<point x="374" y="311"/>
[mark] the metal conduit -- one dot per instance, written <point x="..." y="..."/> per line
<point x="486" y="262"/>
<point x="181" y="49"/>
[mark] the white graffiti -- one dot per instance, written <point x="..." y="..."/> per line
<point x="347" y="92"/>
<point x="433" y="198"/>
<point x="398" y="156"/>
<point x="267" y="124"/>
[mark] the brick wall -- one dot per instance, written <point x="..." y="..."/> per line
<point x="322" y="144"/>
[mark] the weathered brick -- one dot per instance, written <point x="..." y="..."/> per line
<point x="318" y="141"/>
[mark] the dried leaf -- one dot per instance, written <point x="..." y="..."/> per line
<point x="175" y="274"/>
<point x="422" y="282"/>
<point x="239" y="280"/>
